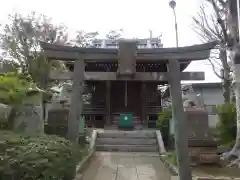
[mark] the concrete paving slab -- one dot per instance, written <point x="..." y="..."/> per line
<point x="105" y="176"/>
<point x="125" y="173"/>
<point x="126" y="166"/>
<point x="126" y="162"/>
<point x="148" y="177"/>
<point x="146" y="170"/>
<point x="129" y="154"/>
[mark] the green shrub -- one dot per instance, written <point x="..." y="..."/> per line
<point x="226" y="126"/>
<point x="163" y="123"/>
<point x="37" y="158"/>
<point x="13" y="88"/>
<point x="172" y="157"/>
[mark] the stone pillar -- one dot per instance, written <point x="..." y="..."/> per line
<point x="144" y="103"/>
<point x="181" y="140"/>
<point x="29" y="120"/>
<point x="108" y="102"/>
<point x="76" y="105"/>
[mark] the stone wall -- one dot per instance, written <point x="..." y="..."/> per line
<point x="4" y="112"/>
<point x="29" y="119"/>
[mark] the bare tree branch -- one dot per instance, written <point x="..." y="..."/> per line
<point x="220" y="20"/>
<point x="213" y="26"/>
<point x="214" y="69"/>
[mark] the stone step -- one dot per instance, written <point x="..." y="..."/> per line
<point x="128" y="134"/>
<point x="134" y="119"/>
<point x="124" y="141"/>
<point x="134" y="122"/>
<point x="127" y="148"/>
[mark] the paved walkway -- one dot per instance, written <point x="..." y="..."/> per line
<point x="126" y="166"/>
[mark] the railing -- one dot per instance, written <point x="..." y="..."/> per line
<point x="154" y="109"/>
<point x="211" y="109"/>
<point x="88" y="110"/>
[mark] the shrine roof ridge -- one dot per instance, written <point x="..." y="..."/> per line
<point x="112" y="51"/>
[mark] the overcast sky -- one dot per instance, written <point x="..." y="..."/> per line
<point x="136" y="17"/>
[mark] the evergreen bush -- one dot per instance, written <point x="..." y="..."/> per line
<point x="13" y="88"/>
<point x="226" y="126"/>
<point x="163" y="123"/>
<point x="37" y="157"/>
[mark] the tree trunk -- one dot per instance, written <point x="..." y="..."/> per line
<point x="235" y="57"/>
<point x="226" y="91"/>
<point x="236" y="147"/>
<point x="236" y="67"/>
<point x="226" y="86"/>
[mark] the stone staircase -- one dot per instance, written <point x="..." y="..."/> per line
<point x="127" y="141"/>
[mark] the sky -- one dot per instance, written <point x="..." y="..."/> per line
<point x="136" y="17"/>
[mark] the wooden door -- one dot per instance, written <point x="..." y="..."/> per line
<point x="126" y="97"/>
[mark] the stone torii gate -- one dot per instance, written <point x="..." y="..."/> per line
<point x="127" y="56"/>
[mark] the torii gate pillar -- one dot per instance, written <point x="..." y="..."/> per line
<point x="181" y="140"/>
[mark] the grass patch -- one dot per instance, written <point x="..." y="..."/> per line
<point x="171" y="157"/>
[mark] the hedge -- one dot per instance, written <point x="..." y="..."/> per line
<point x="37" y="158"/>
<point x="163" y="123"/>
<point x="227" y="124"/>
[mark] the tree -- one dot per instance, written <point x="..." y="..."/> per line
<point x="20" y="41"/>
<point x="114" y="34"/>
<point x="85" y="39"/>
<point x="13" y="90"/>
<point x="235" y="56"/>
<point x="212" y="27"/>
<point x="6" y="65"/>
